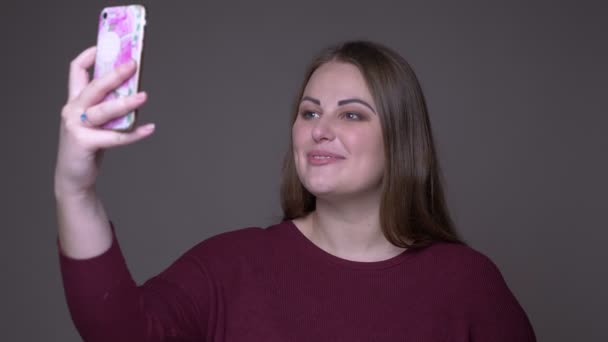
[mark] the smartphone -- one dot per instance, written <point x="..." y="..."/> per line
<point x="120" y="38"/>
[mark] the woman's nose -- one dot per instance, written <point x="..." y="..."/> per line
<point x="323" y="130"/>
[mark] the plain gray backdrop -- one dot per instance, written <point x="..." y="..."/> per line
<point x="517" y="96"/>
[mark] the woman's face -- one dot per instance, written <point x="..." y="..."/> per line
<point x="337" y="137"/>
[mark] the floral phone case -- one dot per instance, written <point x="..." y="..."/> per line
<point x="120" y="38"/>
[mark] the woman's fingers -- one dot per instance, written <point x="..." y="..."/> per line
<point x="87" y="133"/>
<point x="81" y="139"/>
<point x="100" y="87"/>
<point x="108" y="110"/>
<point x="79" y="76"/>
<point x="104" y="139"/>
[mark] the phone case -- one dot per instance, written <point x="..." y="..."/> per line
<point x="120" y="38"/>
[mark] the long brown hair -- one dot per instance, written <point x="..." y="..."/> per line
<point x="413" y="206"/>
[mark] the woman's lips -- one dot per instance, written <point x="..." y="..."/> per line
<point x="322" y="157"/>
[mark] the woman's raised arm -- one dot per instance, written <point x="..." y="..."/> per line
<point x="84" y="229"/>
<point x="104" y="301"/>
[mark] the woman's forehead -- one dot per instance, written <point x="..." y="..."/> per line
<point x="336" y="80"/>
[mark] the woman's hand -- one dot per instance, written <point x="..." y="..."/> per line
<point x="82" y="142"/>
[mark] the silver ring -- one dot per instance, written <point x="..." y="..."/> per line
<point x="84" y="118"/>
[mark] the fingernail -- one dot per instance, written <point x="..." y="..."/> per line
<point x="149" y="128"/>
<point x="140" y="95"/>
<point x="127" y="65"/>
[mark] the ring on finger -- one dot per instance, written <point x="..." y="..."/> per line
<point x="84" y="118"/>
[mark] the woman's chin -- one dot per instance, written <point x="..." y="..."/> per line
<point x="321" y="190"/>
<point x="330" y="193"/>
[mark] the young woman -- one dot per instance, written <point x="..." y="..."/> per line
<point x="366" y="250"/>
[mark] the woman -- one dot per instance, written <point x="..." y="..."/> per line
<point x="366" y="251"/>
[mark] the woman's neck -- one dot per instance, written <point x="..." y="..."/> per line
<point x="348" y="230"/>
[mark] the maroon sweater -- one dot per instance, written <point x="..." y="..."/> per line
<point x="274" y="284"/>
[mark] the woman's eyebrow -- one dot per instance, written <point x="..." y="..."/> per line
<point x="340" y="103"/>
<point x="313" y="100"/>
<point x="347" y="101"/>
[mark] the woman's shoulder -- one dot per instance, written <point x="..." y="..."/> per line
<point x="239" y="242"/>
<point x="456" y="252"/>
<point x="474" y="283"/>
<point x="473" y="277"/>
<point x="460" y="262"/>
<point x="246" y="235"/>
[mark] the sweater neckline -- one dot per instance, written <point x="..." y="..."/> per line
<point x="318" y="252"/>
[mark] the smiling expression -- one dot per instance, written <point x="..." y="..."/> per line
<point x="337" y="136"/>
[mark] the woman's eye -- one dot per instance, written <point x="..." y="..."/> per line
<point x="352" y="116"/>
<point x="310" y="115"/>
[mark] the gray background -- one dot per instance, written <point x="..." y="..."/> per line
<point x="517" y="95"/>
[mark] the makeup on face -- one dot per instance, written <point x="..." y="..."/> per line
<point x="320" y="157"/>
<point x="341" y="102"/>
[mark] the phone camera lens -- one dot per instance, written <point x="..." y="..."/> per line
<point x="105" y="15"/>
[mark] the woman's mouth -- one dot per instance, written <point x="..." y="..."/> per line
<point x="319" y="158"/>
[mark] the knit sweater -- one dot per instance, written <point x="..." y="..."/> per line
<point x="274" y="284"/>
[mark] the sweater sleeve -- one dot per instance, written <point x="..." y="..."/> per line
<point x="107" y="305"/>
<point x="496" y="315"/>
